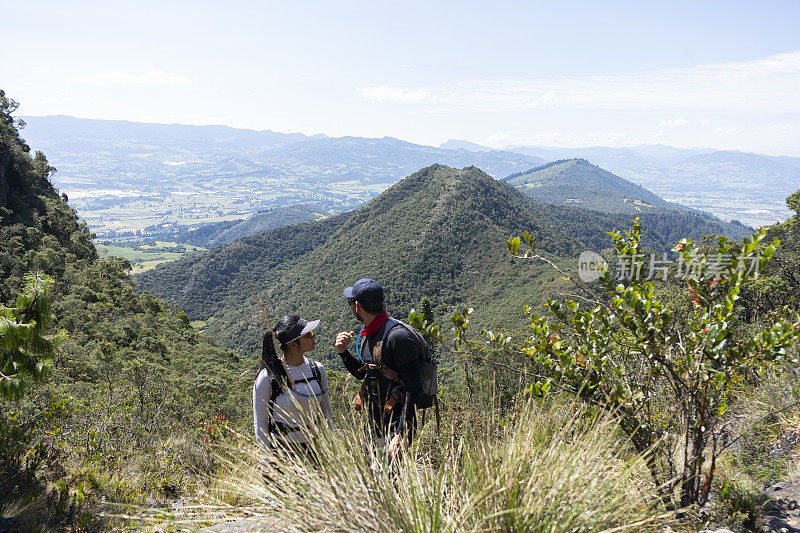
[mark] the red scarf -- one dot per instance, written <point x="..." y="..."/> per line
<point x="373" y="327"/>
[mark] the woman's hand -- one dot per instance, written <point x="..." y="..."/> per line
<point x="342" y="340"/>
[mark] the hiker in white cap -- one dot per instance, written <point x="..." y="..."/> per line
<point x="292" y="391"/>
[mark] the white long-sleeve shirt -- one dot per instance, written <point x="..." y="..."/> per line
<point x="290" y="407"/>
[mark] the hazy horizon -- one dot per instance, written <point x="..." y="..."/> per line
<point x="509" y="147"/>
<point x="622" y="73"/>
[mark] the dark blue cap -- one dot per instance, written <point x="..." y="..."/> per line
<point x="364" y="290"/>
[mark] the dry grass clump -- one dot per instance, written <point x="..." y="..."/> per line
<point x="544" y="470"/>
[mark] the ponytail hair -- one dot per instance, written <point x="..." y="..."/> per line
<point x="269" y="357"/>
<point x="271" y="361"/>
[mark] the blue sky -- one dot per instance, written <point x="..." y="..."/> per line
<point x="718" y="74"/>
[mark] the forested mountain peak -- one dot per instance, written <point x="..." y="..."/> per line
<point x="578" y="182"/>
<point x="439" y="232"/>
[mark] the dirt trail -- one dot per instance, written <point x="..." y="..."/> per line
<point x="782" y="512"/>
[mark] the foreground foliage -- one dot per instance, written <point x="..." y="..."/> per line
<point x="547" y="467"/>
<point x="631" y="355"/>
<point x="24" y="347"/>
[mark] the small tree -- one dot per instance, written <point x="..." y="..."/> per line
<point x="25" y="347"/>
<point x="793" y="202"/>
<point x="426" y="310"/>
<point x="667" y="380"/>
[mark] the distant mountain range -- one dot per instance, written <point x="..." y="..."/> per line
<point x="439" y="232"/>
<point x="174" y="149"/>
<point x="751" y="188"/>
<point x="455" y="144"/>
<point x="124" y="177"/>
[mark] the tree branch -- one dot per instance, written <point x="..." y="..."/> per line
<point x="753" y="425"/>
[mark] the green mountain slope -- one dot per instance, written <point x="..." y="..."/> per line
<point x="727" y="184"/>
<point x="577" y="182"/>
<point x="210" y="235"/>
<point x="266" y="220"/>
<point x="440" y="232"/>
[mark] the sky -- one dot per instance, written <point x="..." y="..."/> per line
<point x="724" y="75"/>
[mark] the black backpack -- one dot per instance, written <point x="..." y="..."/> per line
<point x="428" y="366"/>
<point x="277" y="390"/>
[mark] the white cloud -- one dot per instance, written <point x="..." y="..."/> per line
<point x="727" y="131"/>
<point x="397" y="94"/>
<point x="151" y="77"/>
<point x="764" y="85"/>
<point x="680" y="121"/>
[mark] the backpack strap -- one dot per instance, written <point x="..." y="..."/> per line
<point x="276" y="391"/>
<point x="316" y="375"/>
<point x="378" y="365"/>
<point x="390" y="324"/>
<point x="282" y="428"/>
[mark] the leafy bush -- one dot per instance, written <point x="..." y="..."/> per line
<point x="24" y="347"/>
<point x="629" y="354"/>
<point x="667" y="381"/>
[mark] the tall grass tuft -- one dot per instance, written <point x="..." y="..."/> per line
<point x="547" y="468"/>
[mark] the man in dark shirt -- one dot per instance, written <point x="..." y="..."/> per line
<point x="399" y="356"/>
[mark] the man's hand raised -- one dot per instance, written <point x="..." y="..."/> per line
<point x="342" y="340"/>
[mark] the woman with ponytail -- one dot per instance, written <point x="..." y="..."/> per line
<point x="291" y="391"/>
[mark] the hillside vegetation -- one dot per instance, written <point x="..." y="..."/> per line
<point x="576" y="181"/>
<point x="437" y="233"/>
<point x="131" y="375"/>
